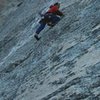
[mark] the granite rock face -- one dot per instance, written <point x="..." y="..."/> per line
<point x="63" y="65"/>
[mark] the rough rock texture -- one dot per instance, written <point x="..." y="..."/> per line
<point x="63" y="65"/>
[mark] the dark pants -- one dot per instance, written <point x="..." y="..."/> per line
<point x="41" y="27"/>
<point x="53" y="19"/>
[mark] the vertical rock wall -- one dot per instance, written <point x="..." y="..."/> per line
<point x="63" y="65"/>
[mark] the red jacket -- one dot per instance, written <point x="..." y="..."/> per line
<point x="55" y="10"/>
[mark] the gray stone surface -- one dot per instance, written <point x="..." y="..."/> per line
<point x="63" y="65"/>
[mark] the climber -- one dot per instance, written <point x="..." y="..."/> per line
<point x="51" y="17"/>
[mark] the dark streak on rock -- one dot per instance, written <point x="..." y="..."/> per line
<point x="73" y="82"/>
